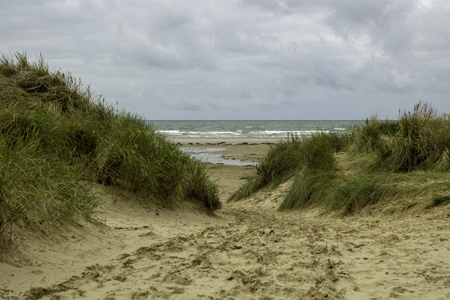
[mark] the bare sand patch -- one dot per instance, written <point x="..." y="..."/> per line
<point x="247" y="250"/>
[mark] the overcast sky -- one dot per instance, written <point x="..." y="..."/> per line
<point x="243" y="59"/>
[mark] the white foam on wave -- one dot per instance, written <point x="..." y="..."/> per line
<point x="239" y="134"/>
<point x="285" y="133"/>
<point x="168" y="131"/>
<point x="225" y="133"/>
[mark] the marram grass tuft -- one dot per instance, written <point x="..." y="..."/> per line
<point x="57" y="139"/>
<point x="404" y="164"/>
<point x="287" y="158"/>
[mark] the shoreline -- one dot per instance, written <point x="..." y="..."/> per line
<point x="227" y="142"/>
<point x="231" y="177"/>
<point x="246" y="152"/>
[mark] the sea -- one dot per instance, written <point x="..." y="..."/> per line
<point x="245" y="130"/>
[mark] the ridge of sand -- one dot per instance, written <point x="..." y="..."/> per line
<point x="247" y="251"/>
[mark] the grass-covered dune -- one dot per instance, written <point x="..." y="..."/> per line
<point x="57" y="139"/>
<point x="403" y="163"/>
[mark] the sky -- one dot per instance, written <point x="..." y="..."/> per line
<point x="243" y="59"/>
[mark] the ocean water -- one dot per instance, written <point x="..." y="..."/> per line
<point x="208" y="155"/>
<point x="217" y="131"/>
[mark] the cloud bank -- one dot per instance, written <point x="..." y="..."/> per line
<point x="243" y="59"/>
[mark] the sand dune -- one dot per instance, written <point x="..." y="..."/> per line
<point x="246" y="251"/>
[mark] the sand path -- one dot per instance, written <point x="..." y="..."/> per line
<point x="246" y="251"/>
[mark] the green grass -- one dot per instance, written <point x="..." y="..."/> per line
<point x="368" y="135"/>
<point x="287" y="158"/>
<point x="57" y="139"/>
<point x="400" y="164"/>
<point x="422" y="142"/>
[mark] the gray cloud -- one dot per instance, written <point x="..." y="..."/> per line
<point x="243" y="59"/>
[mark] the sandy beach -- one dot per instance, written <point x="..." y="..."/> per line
<point x="138" y="248"/>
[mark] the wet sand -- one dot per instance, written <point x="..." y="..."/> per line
<point x="247" y="250"/>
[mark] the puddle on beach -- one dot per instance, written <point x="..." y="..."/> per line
<point x="206" y="155"/>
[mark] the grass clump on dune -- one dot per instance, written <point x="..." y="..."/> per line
<point x="369" y="135"/>
<point x="289" y="157"/>
<point x="57" y="139"/>
<point x="403" y="164"/>
<point x="421" y="143"/>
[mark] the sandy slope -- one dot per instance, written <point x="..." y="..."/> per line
<point x="246" y="251"/>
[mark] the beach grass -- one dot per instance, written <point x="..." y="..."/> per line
<point x="57" y="139"/>
<point x="294" y="154"/>
<point x="402" y="164"/>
